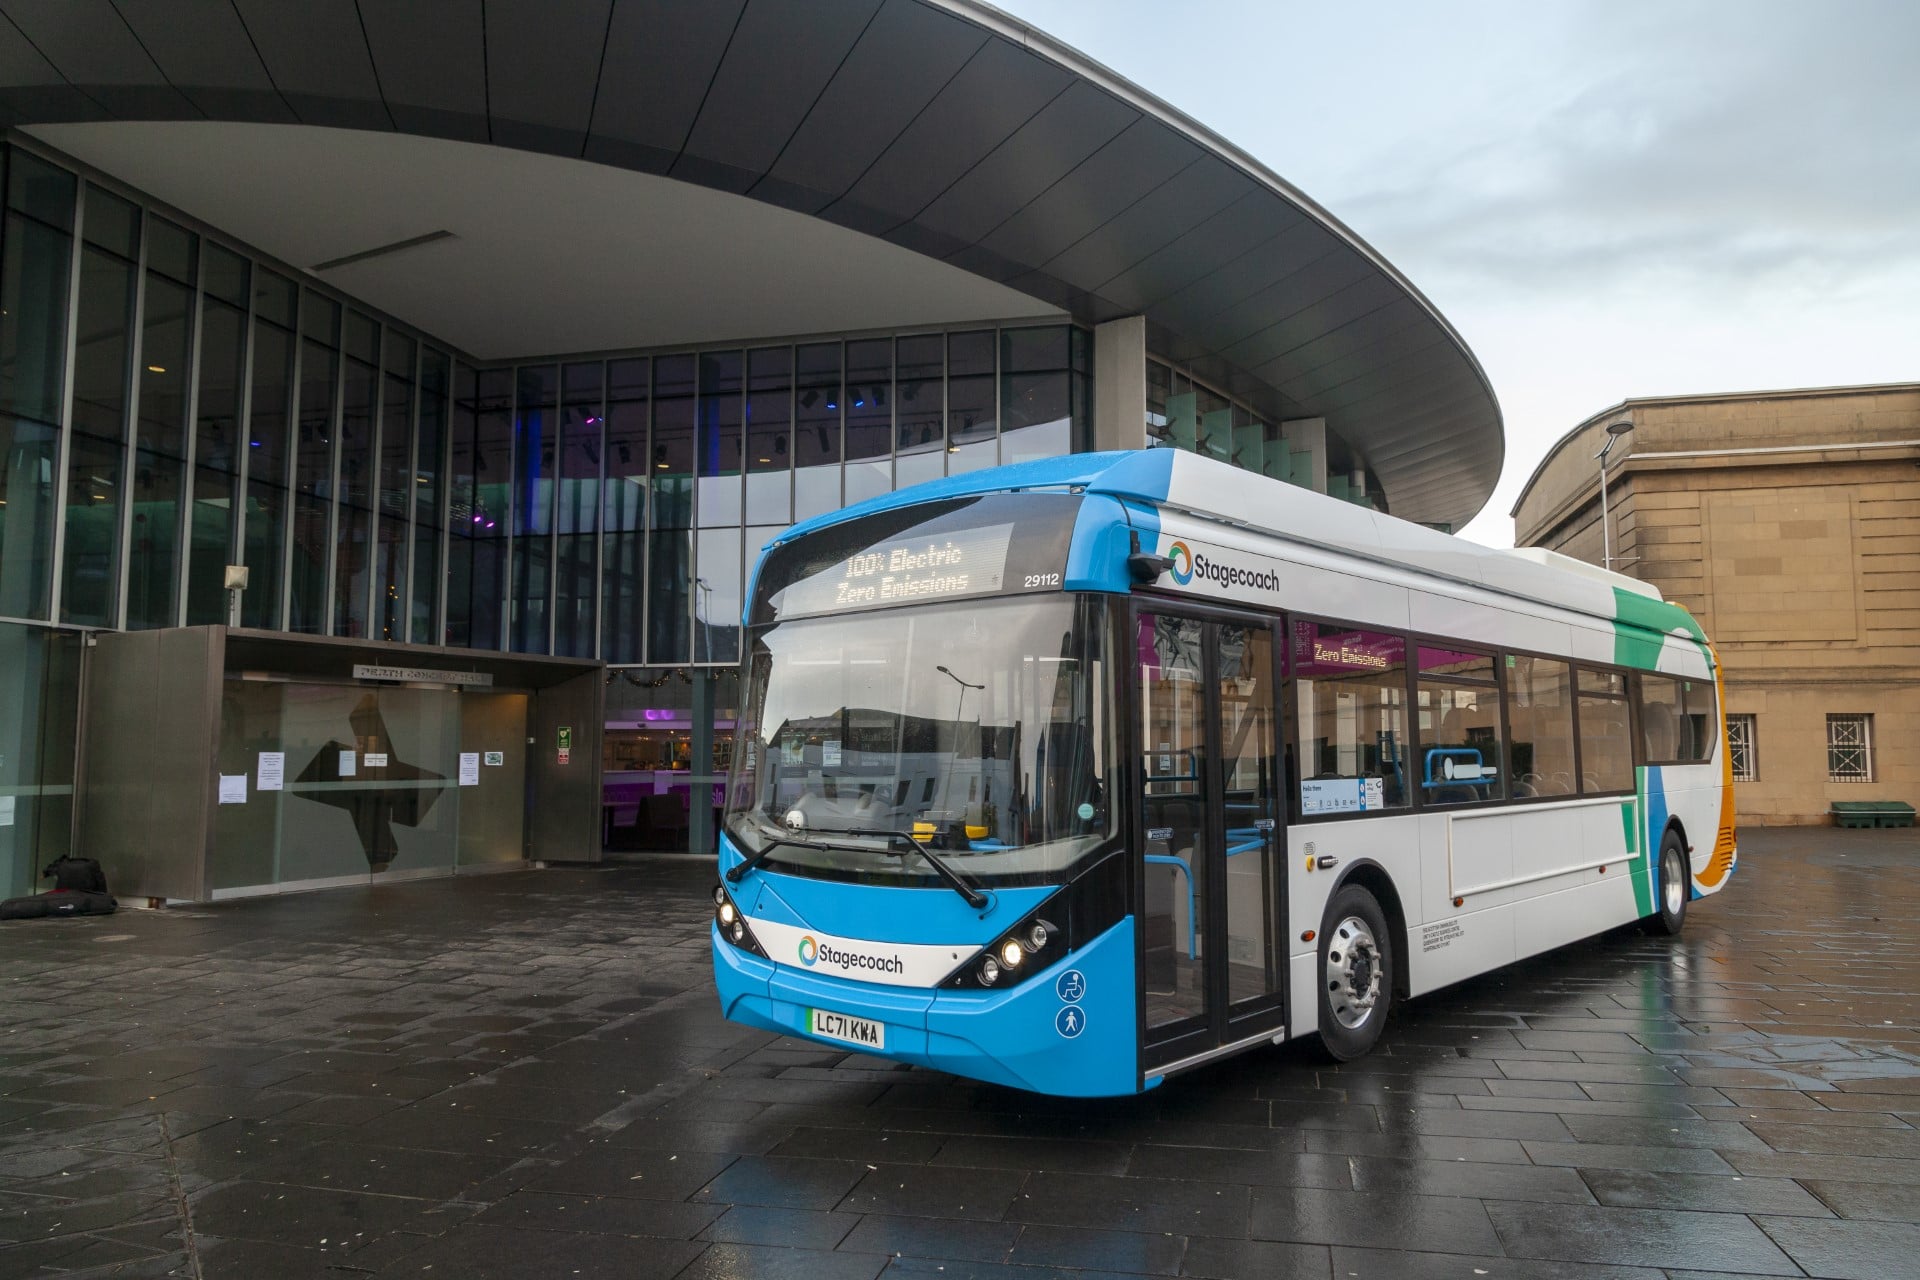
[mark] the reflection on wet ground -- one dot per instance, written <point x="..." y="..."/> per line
<point x="525" y="1075"/>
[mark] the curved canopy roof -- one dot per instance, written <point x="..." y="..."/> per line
<point x="943" y="126"/>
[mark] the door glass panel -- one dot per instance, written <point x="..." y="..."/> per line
<point x="1247" y="776"/>
<point x="1174" y="804"/>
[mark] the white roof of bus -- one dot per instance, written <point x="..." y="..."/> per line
<point x="1214" y="490"/>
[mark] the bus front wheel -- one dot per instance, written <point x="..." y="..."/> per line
<point x="1356" y="973"/>
<point x="1674" y="883"/>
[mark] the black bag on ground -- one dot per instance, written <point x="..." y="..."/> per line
<point x="61" y="902"/>
<point x="79" y="875"/>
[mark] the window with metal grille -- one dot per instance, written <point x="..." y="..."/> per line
<point x="1850" y="748"/>
<point x="1743" y="748"/>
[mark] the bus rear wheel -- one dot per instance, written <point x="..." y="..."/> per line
<point x="1674" y="884"/>
<point x="1356" y="973"/>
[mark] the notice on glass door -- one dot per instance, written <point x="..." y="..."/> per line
<point x="6" y="810"/>
<point x="469" y="768"/>
<point x="233" y="788"/>
<point x="272" y="773"/>
<point x="348" y="767"/>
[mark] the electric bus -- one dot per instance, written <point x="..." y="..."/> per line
<point x="1075" y="774"/>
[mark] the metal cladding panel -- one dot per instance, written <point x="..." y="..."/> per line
<point x="1152" y="223"/>
<point x="998" y="90"/>
<point x="1130" y="165"/>
<point x="202" y="47"/>
<point x="1299" y="246"/>
<point x="659" y="63"/>
<point x="1229" y="236"/>
<point x="98" y="52"/>
<point x="905" y="57"/>
<point x="783" y="53"/>
<point x="1060" y="136"/>
<point x="317" y="57"/>
<point x="539" y="93"/>
<point x="1333" y="359"/>
<point x="1288" y="296"/>
<point x="430" y="57"/>
<point x="1286" y="337"/>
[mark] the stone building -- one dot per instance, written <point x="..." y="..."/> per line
<point x="1789" y="523"/>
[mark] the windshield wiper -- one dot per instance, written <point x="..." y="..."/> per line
<point x="975" y="899"/>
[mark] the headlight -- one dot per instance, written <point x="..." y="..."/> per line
<point x="732" y="924"/>
<point x="1002" y="959"/>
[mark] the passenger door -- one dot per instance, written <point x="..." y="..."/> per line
<point x="1211" y="961"/>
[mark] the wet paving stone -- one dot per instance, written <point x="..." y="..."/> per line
<point x="525" y="1075"/>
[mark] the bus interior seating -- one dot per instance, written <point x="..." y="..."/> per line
<point x="1656" y="720"/>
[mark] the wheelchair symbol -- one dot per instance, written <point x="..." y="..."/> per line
<point x="1070" y="1021"/>
<point x="1071" y="986"/>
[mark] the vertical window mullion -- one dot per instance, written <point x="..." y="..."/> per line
<point x="130" y="423"/>
<point x="69" y="351"/>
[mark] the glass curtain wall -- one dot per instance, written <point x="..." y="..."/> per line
<point x="269" y="449"/>
<point x="160" y="438"/>
<point x="102" y="387"/>
<point x="623" y="511"/>
<point x="213" y="525"/>
<point x="36" y="253"/>
<point x="575" y="566"/>
<point x="429" y="487"/>
<point x="391" y="590"/>
<point x="642" y="489"/>
<point x="1183" y="413"/>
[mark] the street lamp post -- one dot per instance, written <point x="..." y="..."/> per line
<point x="1614" y="431"/>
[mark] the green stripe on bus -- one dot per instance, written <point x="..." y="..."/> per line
<point x="1630" y="811"/>
<point x="1644" y="625"/>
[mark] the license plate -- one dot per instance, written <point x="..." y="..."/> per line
<point x="864" y="1032"/>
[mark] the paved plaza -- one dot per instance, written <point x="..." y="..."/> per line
<point x="525" y="1075"/>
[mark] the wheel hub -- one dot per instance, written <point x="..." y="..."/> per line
<point x="1353" y="972"/>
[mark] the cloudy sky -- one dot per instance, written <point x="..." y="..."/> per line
<point x="1606" y="199"/>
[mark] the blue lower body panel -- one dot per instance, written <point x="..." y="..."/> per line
<point x="1029" y="1035"/>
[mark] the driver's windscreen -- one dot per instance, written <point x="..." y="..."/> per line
<point x="981" y="730"/>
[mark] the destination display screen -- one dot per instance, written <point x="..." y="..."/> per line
<point x="994" y="545"/>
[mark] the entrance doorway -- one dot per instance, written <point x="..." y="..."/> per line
<point x="1212" y="955"/>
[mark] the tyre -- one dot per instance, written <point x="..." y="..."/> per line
<point x="1675" y="882"/>
<point x="1356" y="973"/>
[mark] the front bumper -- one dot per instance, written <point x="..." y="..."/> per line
<point x="1027" y="1035"/>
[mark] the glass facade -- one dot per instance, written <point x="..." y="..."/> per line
<point x="617" y="505"/>
<point x="1185" y="413"/>
<point x="172" y="403"/>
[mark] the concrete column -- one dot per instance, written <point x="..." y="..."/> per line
<point x="1120" y="384"/>
<point x="700" y="779"/>
<point x="1307" y="452"/>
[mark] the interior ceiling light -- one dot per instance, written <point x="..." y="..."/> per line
<point x="381" y="251"/>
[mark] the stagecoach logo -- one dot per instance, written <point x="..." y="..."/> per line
<point x="1182" y="563"/>
<point x="1189" y="564"/>
<point x="813" y="952"/>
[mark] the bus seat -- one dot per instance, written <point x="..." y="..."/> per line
<point x="1656" y="720"/>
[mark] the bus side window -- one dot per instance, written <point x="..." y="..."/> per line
<point x="1540" y="719"/>
<point x="1662" y="727"/>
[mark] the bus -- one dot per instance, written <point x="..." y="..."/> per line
<point x="1075" y="774"/>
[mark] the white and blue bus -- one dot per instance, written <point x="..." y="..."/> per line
<point x="1074" y="774"/>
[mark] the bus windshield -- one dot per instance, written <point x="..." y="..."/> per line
<point x="982" y="730"/>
